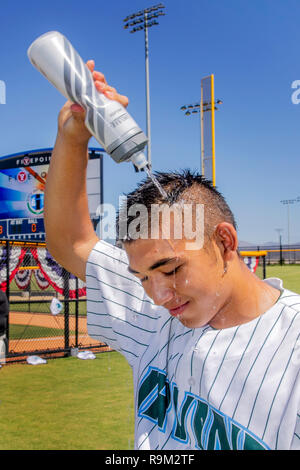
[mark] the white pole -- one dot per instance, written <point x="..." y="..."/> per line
<point x="289" y="231"/>
<point x="201" y="132"/>
<point x="147" y="91"/>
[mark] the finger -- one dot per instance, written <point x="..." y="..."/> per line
<point x="91" y="65"/>
<point x="99" y="77"/>
<point x="66" y="106"/>
<point x="78" y="112"/>
<point x="123" y="100"/>
<point x="103" y="87"/>
<point x="113" y="95"/>
<point x="65" y="110"/>
<point x="107" y="90"/>
<point x="76" y="108"/>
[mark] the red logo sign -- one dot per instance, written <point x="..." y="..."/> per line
<point x="22" y="176"/>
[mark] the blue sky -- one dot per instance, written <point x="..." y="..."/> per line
<point x="251" y="47"/>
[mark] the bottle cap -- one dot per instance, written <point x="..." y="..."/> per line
<point x="139" y="160"/>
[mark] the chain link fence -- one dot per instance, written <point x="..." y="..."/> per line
<point x="47" y="304"/>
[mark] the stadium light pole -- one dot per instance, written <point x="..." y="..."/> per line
<point x="190" y="109"/>
<point x="288" y="202"/>
<point x="279" y="230"/>
<point x="141" y="21"/>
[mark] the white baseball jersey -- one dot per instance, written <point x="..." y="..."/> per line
<point x="201" y="388"/>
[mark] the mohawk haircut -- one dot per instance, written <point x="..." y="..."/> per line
<point x="181" y="186"/>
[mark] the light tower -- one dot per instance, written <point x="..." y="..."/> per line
<point x="206" y="109"/>
<point x="141" y="21"/>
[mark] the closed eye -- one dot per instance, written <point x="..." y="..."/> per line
<point x="174" y="271"/>
<point x="171" y="273"/>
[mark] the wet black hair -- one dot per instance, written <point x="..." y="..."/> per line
<point x="179" y="185"/>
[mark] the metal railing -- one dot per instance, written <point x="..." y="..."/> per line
<point x="278" y="254"/>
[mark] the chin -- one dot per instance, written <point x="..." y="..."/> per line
<point x="192" y="322"/>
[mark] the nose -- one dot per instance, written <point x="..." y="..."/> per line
<point x="160" y="293"/>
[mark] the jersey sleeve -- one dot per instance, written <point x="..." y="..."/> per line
<point x="118" y="311"/>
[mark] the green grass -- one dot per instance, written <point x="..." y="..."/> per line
<point x="35" y="291"/>
<point x="31" y="331"/>
<point x="67" y="404"/>
<point x="290" y="275"/>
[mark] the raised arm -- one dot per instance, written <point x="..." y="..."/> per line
<point x="70" y="235"/>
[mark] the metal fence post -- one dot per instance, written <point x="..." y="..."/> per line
<point x="7" y="268"/>
<point x="76" y="312"/>
<point x="7" y="289"/>
<point x="264" y="267"/>
<point x="66" y="276"/>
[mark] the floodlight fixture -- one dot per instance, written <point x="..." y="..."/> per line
<point x="146" y="19"/>
<point x="288" y="202"/>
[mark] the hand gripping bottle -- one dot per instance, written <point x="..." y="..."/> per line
<point x="109" y="122"/>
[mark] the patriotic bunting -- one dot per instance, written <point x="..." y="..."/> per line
<point x="49" y="272"/>
<point x="41" y="281"/>
<point x="55" y="274"/>
<point x="23" y="278"/>
<point x="251" y="262"/>
<point x="15" y="259"/>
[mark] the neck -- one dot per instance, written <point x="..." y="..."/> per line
<point x="248" y="298"/>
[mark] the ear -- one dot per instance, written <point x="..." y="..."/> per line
<point x="226" y="239"/>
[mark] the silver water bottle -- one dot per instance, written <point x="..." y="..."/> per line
<point x="107" y="120"/>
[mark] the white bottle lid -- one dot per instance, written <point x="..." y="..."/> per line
<point x="139" y="160"/>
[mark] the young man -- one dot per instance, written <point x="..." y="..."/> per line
<point x="213" y="349"/>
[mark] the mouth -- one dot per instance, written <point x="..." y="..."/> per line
<point x="176" y="311"/>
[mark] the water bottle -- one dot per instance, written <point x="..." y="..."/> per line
<point x="107" y="120"/>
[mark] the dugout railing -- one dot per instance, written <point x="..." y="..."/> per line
<point x="47" y="304"/>
<point x="278" y="254"/>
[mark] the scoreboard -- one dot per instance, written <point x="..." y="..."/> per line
<point x="25" y="229"/>
<point x="22" y="183"/>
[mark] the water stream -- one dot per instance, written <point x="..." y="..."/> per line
<point x="154" y="181"/>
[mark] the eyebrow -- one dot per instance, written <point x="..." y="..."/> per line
<point x="157" y="264"/>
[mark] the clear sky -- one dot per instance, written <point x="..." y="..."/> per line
<point x="251" y="47"/>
